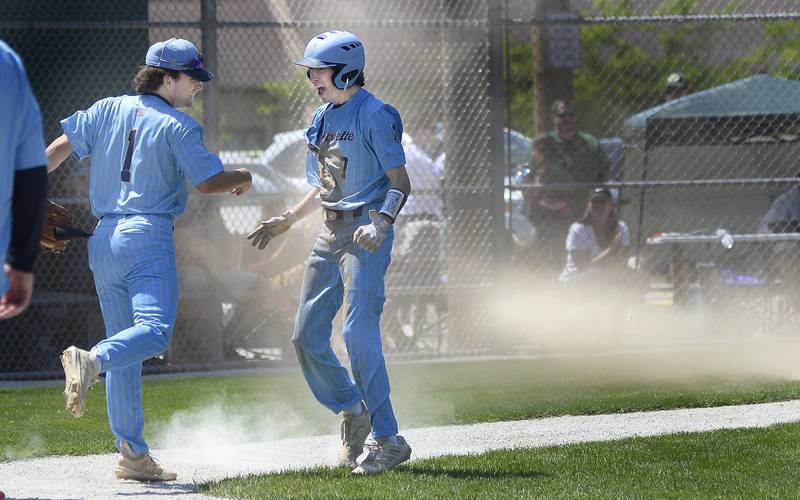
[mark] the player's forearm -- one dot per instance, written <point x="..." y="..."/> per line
<point x="28" y="204"/>
<point x="398" y="177"/>
<point x="57" y="152"/>
<point x="398" y="193"/>
<point x="309" y="204"/>
<point x="224" y="181"/>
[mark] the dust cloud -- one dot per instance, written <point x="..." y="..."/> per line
<point x="31" y="446"/>
<point x="215" y="426"/>
<point x="743" y="335"/>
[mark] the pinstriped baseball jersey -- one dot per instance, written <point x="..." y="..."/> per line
<point x="358" y="141"/>
<point x="142" y="151"/>
<point x="21" y="139"/>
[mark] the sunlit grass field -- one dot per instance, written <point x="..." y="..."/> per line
<point x="745" y="463"/>
<point x="261" y="407"/>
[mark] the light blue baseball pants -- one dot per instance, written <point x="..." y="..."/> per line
<point x="338" y="271"/>
<point x="133" y="262"/>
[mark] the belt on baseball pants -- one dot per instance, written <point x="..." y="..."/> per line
<point x="334" y="215"/>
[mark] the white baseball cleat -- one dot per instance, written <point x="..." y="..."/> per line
<point x="384" y="456"/>
<point x="140" y="468"/>
<point x="354" y="432"/>
<point x="80" y="374"/>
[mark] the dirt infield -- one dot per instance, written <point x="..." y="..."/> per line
<point x="92" y="477"/>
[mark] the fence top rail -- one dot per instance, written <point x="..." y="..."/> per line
<point x="220" y="24"/>
<point x="696" y="18"/>
<point x="438" y="22"/>
<point x="532" y="186"/>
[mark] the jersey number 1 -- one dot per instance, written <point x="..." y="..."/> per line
<point x="126" y="165"/>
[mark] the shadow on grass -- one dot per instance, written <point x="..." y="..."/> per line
<point x="419" y="474"/>
<point x="157" y="488"/>
<point x="469" y="473"/>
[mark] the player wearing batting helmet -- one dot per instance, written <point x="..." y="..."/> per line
<point x="356" y="167"/>
<point x="142" y="152"/>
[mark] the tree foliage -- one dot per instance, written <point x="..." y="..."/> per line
<point x="624" y="65"/>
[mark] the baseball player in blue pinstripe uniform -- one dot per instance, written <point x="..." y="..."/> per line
<point x="142" y="151"/>
<point x="356" y="167"/>
<point x="23" y="183"/>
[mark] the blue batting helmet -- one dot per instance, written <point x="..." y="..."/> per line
<point x="340" y="50"/>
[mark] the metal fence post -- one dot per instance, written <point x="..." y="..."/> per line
<point x="208" y="15"/>
<point x="497" y="119"/>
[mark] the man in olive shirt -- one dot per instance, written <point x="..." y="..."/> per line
<point x="565" y="155"/>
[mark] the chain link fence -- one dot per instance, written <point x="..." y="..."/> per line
<point x="693" y="108"/>
<point x="477" y="259"/>
<point x="238" y="304"/>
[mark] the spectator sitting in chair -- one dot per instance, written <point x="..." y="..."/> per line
<point x="784" y="213"/>
<point x="597" y="244"/>
<point x="783" y="216"/>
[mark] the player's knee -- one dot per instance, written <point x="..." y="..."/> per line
<point x="300" y="338"/>
<point x="297" y="339"/>
<point x="303" y="331"/>
<point x="162" y="342"/>
<point x="161" y="334"/>
<point x="311" y="341"/>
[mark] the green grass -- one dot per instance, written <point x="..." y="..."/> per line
<point x="743" y="463"/>
<point x="34" y="422"/>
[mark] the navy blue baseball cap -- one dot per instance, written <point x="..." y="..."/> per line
<point x="178" y="54"/>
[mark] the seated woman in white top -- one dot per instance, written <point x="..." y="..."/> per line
<point x="598" y="242"/>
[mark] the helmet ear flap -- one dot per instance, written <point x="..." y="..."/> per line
<point x="350" y="76"/>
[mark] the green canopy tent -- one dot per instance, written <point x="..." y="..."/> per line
<point x="756" y="108"/>
<point x="715" y="156"/>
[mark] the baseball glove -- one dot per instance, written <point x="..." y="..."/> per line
<point x="58" y="229"/>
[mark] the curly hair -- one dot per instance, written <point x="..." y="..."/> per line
<point x="149" y="79"/>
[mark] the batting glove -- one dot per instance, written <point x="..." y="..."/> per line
<point x="370" y="236"/>
<point x="271" y="228"/>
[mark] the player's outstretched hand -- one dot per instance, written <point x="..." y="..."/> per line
<point x="245" y="184"/>
<point x="271" y="228"/>
<point x="18" y="296"/>
<point x="370" y="236"/>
